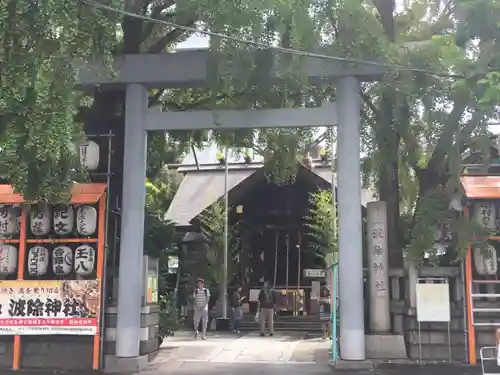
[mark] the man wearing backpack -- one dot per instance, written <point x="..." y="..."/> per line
<point x="201" y="296"/>
<point x="267" y="302"/>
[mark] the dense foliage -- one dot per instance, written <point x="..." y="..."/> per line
<point x="322" y="226"/>
<point x="417" y="122"/>
<point x="39" y="43"/>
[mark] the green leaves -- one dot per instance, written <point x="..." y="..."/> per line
<point x="321" y="224"/>
<point x="212" y="227"/>
<point x="38" y="133"/>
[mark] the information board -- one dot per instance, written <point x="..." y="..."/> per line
<point x="433" y="302"/>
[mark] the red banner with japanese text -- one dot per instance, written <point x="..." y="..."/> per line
<point x="37" y="307"/>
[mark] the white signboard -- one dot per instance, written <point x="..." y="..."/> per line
<point x="316" y="273"/>
<point x="433" y="302"/>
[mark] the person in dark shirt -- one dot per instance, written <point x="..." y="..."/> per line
<point x="267" y="302"/>
<point x="325" y="311"/>
<point x="237" y="308"/>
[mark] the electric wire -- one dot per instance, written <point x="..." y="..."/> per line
<point x="290" y="51"/>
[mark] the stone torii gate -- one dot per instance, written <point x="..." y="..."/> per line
<point x="139" y="73"/>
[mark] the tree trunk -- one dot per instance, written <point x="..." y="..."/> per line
<point x="388" y="140"/>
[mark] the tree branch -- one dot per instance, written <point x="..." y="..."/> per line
<point x="156" y="14"/>
<point x="155" y="98"/>
<point x="169" y="38"/>
<point x="445" y="140"/>
<point x="385" y="10"/>
<point x="468" y="129"/>
<point x="370" y="104"/>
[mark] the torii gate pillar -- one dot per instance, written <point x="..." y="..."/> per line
<point x="352" y="324"/>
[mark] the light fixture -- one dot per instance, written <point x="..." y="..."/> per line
<point x="221" y="158"/>
<point x="239" y="209"/>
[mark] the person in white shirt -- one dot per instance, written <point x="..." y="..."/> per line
<point x="201" y="296"/>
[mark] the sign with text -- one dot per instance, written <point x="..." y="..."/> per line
<point x="37" y="307"/>
<point x="378" y="260"/>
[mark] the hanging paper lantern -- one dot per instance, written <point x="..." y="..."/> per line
<point x="7" y="220"/>
<point x="8" y="259"/>
<point x="86" y="220"/>
<point x="63" y="220"/>
<point x="485" y="214"/>
<point x="62" y="260"/>
<point x="89" y="155"/>
<point x="38" y="261"/>
<point x="485" y="261"/>
<point x="40" y="221"/>
<point x="84" y="260"/>
<point x="16" y="210"/>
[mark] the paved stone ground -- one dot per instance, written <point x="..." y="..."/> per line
<point x="284" y="354"/>
<point x="249" y="354"/>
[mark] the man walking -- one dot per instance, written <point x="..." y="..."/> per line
<point x="267" y="301"/>
<point x="237" y="307"/>
<point x="201" y="296"/>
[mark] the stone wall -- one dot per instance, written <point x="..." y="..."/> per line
<point x="57" y="352"/>
<point x="434" y="336"/>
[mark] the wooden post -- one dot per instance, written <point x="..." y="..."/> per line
<point x="101" y="235"/>
<point x="21" y="258"/>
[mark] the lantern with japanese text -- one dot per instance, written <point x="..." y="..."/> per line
<point x="40" y="221"/>
<point x="7" y="220"/>
<point x="8" y="259"/>
<point x="16" y="210"/>
<point x="62" y="260"/>
<point x="485" y="261"/>
<point x="84" y="260"/>
<point x="63" y="220"/>
<point x="38" y="261"/>
<point x="86" y="220"/>
<point x="89" y="155"/>
<point x="485" y="214"/>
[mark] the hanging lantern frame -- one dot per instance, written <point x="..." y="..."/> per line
<point x="90" y="193"/>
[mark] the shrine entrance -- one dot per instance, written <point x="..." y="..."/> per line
<point x="139" y="73"/>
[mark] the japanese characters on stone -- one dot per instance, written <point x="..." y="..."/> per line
<point x="378" y="242"/>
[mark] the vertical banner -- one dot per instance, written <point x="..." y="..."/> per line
<point x="378" y="268"/>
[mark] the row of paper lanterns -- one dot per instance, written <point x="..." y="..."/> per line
<point x="64" y="260"/>
<point x="485" y="261"/>
<point x="62" y="218"/>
